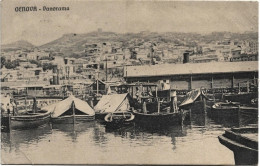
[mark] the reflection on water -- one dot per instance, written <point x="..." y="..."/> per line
<point x="93" y="143"/>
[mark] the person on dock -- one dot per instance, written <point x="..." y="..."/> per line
<point x="8" y="108"/>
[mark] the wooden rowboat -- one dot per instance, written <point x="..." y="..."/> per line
<point x="118" y="119"/>
<point x="27" y="120"/>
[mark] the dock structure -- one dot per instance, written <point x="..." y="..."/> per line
<point x="196" y="75"/>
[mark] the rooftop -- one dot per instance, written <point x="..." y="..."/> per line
<point x="191" y="68"/>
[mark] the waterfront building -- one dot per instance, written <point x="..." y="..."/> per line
<point x="196" y="75"/>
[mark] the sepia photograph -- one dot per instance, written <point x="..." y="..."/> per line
<point x="123" y="82"/>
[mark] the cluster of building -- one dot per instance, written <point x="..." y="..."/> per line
<point x="110" y="60"/>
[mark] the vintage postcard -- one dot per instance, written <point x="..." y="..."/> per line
<point x="129" y="82"/>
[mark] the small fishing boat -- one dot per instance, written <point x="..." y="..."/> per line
<point x="158" y="112"/>
<point x="233" y="109"/>
<point x="242" y="97"/>
<point x="118" y="119"/>
<point x="150" y="108"/>
<point x="111" y="104"/>
<point x="29" y="120"/>
<point x="71" y="110"/>
<point x="25" y="120"/>
<point x="224" y="109"/>
<point x="244" y="144"/>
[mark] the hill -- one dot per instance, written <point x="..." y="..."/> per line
<point x="72" y="43"/>
<point x="18" y="44"/>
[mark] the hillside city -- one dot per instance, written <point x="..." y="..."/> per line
<point x="80" y="59"/>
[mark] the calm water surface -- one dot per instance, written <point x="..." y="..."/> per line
<point x="91" y="143"/>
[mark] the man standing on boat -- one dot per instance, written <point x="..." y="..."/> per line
<point x="138" y="95"/>
<point x="174" y="101"/>
<point x="13" y="104"/>
<point x="34" y="108"/>
<point x="8" y="108"/>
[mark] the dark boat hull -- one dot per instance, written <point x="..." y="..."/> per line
<point x="26" y="121"/>
<point x="115" y="124"/>
<point x="100" y="116"/>
<point x="71" y="119"/>
<point x="244" y="98"/>
<point x="248" y="111"/>
<point x="159" y="119"/>
<point x="224" y="110"/>
<point x="245" y="149"/>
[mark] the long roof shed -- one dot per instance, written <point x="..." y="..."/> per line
<point x="190" y="69"/>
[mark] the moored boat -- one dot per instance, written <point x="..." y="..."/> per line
<point x="70" y="110"/>
<point x="161" y="118"/>
<point x="29" y="120"/>
<point x="232" y="109"/>
<point x="13" y="119"/>
<point x="150" y="108"/>
<point x="244" y="144"/>
<point x="224" y="109"/>
<point x="243" y="97"/>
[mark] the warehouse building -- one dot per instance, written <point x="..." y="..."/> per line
<point x="196" y="75"/>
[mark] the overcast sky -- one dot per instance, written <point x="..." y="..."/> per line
<point x="118" y="16"/>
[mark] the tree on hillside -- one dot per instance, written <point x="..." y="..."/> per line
<point x="47" y="66"/>
<point x="35" y="62"/>
<point x="12" y="64"/>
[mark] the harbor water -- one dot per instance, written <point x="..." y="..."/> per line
<point x="195" y="142"/>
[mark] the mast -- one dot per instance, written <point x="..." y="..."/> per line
<point x="158" y="105"/>
<point x="106" y="67"/>
<point x="158" y="100"/>
<point x="25" y="103"/>
<point x="97" y="86"/>
<point x="73" y="111"/>
<point x="156" y="91"/>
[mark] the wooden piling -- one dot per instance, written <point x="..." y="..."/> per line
<point x="144" y="107"/>
<point x="247" y="86"/>
<point x="204" y="104"/>
<point x="238" y="113"/>
<point x="158" y="106"/>
<point x="9" y="123"/>
<point x="73" y="110"/>
<point x="173" y="105"/>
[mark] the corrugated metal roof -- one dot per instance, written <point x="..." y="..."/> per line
<point x="191" y="68"/>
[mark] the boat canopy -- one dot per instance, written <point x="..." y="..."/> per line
<point x="113" y="103"/>
<point x="61" y="107"/>
<point x="192" y="96"/>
